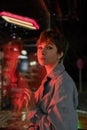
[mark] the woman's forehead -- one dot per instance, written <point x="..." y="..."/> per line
<point x="47" y="42"/>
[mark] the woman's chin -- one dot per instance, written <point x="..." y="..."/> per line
<point x="42" y="63"/>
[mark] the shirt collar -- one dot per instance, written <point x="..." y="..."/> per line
<point x="58" y="70"/>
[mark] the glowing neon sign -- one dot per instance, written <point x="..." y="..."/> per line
<point x="19" y="20"/>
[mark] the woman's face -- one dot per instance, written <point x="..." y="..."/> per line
<point x="47" y="54"/>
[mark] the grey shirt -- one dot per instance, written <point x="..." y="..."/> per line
<point x="57" y="108"/>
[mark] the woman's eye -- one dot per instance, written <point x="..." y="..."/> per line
<point x="49" y="47"/>
<point x="39" y="48"/>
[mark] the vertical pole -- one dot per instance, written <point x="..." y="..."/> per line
<point x="80" y="65"/>
<point x="80" y="80"/>
<point x="1" y="80"/>
<point x="49" y="21"/>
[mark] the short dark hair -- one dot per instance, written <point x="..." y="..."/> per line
<point x="57" y="38"/>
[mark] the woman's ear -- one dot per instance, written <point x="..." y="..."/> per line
<point x="60" y="55"/>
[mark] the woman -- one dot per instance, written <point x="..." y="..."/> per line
<point x="57" y="97"/>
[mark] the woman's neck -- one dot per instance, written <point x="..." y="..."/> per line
<point x="50" y="67"/>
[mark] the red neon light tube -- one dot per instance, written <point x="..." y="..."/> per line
<point x="19" y="20"/>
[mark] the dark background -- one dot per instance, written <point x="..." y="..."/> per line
<point x="67" y="15"/>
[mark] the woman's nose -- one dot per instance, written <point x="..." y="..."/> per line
<point x="43" y="51"/>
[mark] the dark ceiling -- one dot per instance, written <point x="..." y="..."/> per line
<point x="65" y="12"/>
<point x="68" y="15"/>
